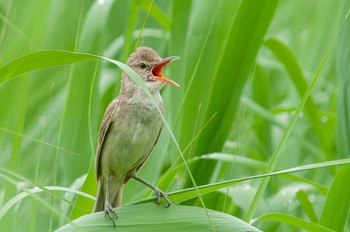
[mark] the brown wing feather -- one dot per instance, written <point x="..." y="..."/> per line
<point x="155" y="142"/>
<point x="106" y="122"/>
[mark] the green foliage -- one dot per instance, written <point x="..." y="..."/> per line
<point x="155" y="218"/>
<point x="256" y="138"/>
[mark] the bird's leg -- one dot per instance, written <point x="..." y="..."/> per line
<point x="159" y="193"/>
<point x="108" y="207"/>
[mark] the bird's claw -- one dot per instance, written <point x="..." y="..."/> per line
<point x="109" y="211"/>
<point x="159" y="194"/>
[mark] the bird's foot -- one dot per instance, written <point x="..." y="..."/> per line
<point x="109" y="212"/>
<point x="159" y="194"/>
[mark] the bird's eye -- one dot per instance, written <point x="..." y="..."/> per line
<point x="143" y="65"/>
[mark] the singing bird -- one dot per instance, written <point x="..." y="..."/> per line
<point x="129" y="130"/>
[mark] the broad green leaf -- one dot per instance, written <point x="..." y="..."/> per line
<point x="150" y="217"/>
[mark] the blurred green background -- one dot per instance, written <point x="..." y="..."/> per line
<point x="245" y="67"/>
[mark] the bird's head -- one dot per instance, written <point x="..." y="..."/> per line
<point x="148" y="64"/>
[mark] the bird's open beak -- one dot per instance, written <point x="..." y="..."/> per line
<point x="157" y="70"/>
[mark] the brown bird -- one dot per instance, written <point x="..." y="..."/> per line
<point x="129" y="130"/>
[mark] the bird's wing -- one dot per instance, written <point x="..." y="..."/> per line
<point x="105" y="125"/>
<point x="141" y="162"/>
<point x="144" y="160"/>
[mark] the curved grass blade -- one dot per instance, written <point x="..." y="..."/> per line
<point x="42" y="60"/>
<point x="296" y="222"/>
<point x="186" y="194"/>
<point x="150" y="217"/>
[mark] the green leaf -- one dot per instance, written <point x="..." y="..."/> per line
<point x="296" y="222"/>
<point x="285" y="55"/>
<point x="277" y="153"/>
<point x="151" y="217"/>
<point x="186" y="194"/>
<point x="343" y="67"/>
<point x="156" y="13"/>
<point x="307" y="205"/>
<point x="41" y="60"/>
<point x="337" y="207"/>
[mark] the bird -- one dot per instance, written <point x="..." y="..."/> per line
<point x="129" y="130"/>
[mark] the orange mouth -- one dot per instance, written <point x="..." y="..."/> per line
<point x="157" y="71"/>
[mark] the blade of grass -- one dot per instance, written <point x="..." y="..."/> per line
<point x="186" y="194"/>
<point x="156" y="12"/>
<point x="307" y="206"/>
<point x="90" y="184"/>
<point x="237" y="160"/>
<point x="29" y="193"/>
<point x="224" y="69"/>
<point x="10" y="176"/>
<point x="285" y="55"/>
<point x="37" y="141"/>
<point x="343" y="68"/>
<point x="41" y="60"/>
<point x="338" y="202"/>
<point x="296" y="222"/>
<point x="276" y="155"/>
<point x="5" y="208"/>
<point x="144" y="23"/>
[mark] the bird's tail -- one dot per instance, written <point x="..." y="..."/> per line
<point x="115" y="193"/>
<point x="100" y="197"/>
